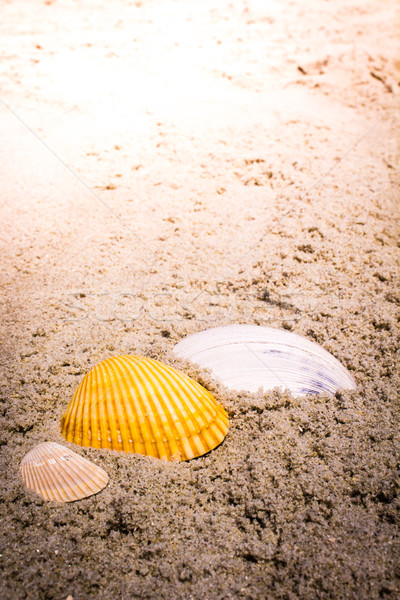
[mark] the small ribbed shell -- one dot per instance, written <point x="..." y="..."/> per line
<point x="57" y="473"/>
<point x="140" y="405"/>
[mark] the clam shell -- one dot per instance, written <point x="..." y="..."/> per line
<point x="249" y="357"/>
<point x="57" y="473"/>
<point x="137" y="404"/>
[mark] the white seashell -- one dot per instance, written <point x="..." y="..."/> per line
<point x="57" y="473"/>
<point x="249" y="357"/>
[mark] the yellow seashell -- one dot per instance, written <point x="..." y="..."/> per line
<point x="141" y="405"/>
<point x="58" y="473"/>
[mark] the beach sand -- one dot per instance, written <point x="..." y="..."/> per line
<point x="170" y="166"/>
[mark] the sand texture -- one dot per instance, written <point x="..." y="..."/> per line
<point x="168" y="166"/>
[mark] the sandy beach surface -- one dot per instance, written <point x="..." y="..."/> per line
<point x="169" y="166"/>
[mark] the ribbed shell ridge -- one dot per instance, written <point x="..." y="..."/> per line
<point x="141" y="405"/>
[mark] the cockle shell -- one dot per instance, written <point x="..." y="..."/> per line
<point x="137" y="404"/>
<point x="58" y="473"/>
<point x="249" y="357"/>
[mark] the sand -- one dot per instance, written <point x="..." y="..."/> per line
<point x="168" y="166"/>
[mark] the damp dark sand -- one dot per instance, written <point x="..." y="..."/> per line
<point x="202" y="128"/>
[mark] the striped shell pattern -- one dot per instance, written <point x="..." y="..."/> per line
<point x="58" y="473"/>
<point x="140" y="405"/>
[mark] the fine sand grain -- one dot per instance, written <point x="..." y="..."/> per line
<point x="244" y="163"/>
